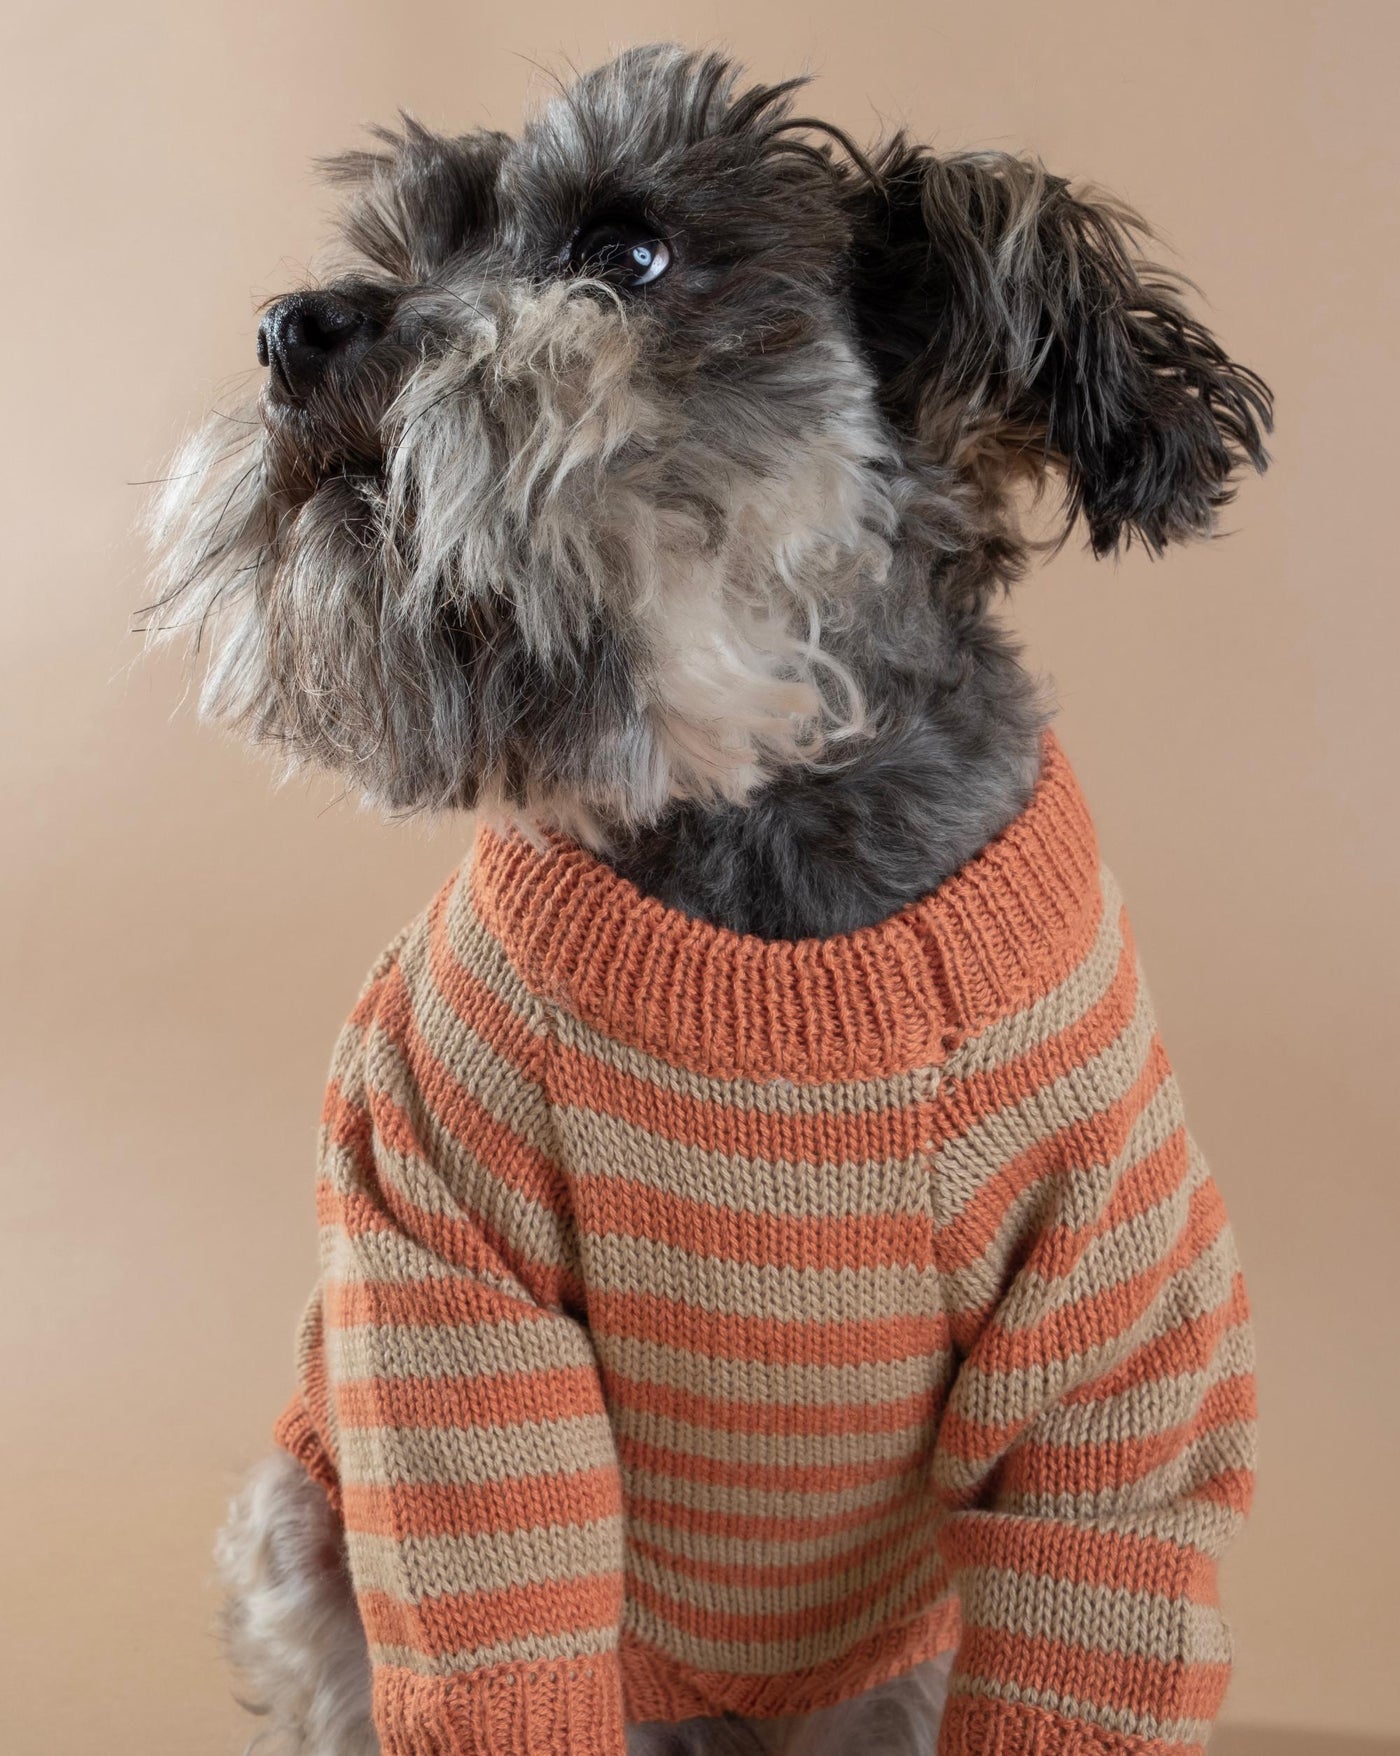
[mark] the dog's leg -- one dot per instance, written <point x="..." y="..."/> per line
<point x="897" y="1718"/>
<point x="290" y="1621"/>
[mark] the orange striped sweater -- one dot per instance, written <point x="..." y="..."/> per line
<point x="713" y="1324"/>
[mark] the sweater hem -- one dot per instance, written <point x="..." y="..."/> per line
<point x="657" y="1686"/>
<point x="295" y="1432"/>
<point x="567" y="1707"/>
<point x="974" y="1725"/>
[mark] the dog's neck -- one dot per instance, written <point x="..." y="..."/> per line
<point x="821" y="852"/>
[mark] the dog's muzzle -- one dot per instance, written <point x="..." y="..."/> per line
<point x="300" y="337"/>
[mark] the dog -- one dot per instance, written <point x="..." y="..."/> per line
<point x="650" y="480"/>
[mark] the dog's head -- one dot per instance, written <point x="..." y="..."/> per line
<point x="581" y="481"/>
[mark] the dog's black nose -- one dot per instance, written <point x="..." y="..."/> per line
<point x="301" y="334"/>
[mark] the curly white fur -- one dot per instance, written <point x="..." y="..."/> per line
<point x="290" y="1622"/>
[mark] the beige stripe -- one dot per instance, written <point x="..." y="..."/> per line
<point x="1098" y="1618"/>
<point x="803" y="1386"/>
<point x="1201" y="1524"/>
<point x="385" y="1457"/>
<point x="1125" y="1721"/>
<point x="388" y="1257"/>
<point x="978" y="1285"/>
<point x="816" y="1505"/>
<point x="411" y="1568"/>
<point x="775" y="1657"/>
<point x="451" y="1178"/>
<point x="1140" y="1242"/>
<point x="965" y="1163"/>
<point x="380" y="1257"/>
<point x="400" y="1260"/>
<point x="781" y="1450"/>
<point x="899" y="1529"/>
<point x="740" y="1598"/>
<point x="506" y="1091"/>
<point x="1227" y="1447"/>
<point x="525" y="1649"/>
<point x="602" y="1148"/>
<point x="1149" y="1407"/>
<point x="623" y="1263"/>
<point x="476" y="948"/>
<point x="1068" y="1001"/>
<point x="406" y="1350"/>
<point x="997" y="1398"/>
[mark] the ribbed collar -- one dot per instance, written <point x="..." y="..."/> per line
<point x="868" y="1004"/>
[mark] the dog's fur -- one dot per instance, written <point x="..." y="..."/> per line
<point x="701" y="571"/>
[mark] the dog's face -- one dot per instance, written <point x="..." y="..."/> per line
<point x="573" y="485"/>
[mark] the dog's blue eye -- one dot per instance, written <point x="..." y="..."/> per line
<point x="623" y="250"/>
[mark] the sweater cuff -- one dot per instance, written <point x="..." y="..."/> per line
<point x="566" y="1707"/>
<point x="973" y="1725"/>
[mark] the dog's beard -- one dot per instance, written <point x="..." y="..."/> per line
<point x="557" y="587"/>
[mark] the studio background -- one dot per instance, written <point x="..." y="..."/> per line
<point x="183" y="941"/>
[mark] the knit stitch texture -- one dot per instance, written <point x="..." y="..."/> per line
<point x="711" y="1324"/>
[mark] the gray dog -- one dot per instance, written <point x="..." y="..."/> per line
<point x="649" y="479"/>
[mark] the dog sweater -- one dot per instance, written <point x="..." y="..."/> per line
<point x="709" y="1324"/>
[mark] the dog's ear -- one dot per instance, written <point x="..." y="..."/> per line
<point x="1013" y="325"/>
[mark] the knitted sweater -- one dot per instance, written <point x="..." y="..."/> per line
<point x="712" y="1324"/>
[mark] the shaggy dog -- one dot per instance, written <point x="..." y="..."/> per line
<point x="650" y="477"/>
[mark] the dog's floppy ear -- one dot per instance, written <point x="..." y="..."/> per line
<point x="1012" y="323"/>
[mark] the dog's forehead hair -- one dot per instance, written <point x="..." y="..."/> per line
<point x="660" y="130"/>
<point x="655" y="111"/>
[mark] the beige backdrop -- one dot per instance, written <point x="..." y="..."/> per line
<point x="184" y="940"/>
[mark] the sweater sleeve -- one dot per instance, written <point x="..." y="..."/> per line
<point x="450" y="1379"/>
<point x="1097" y="1449"/>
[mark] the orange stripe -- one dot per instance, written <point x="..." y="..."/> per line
<point x="775" y="1341"/>
<point x="608" y="1205"/>
<point x="1184" y="1348"/>
<point x="711" y="1621"/>
<point x="1148" y="1182"/>
<point x="1231" y="1488"/>
<point x="486" y="1399"/>
<point x="981" y="1093"/>
<point x="809" y="1478"/>
<point x="908" y="1414"/>
<point x="1119" y="1681"/>
<point x="1078" y="1554"/>
<point x="345" y="1120"/>
<point x="725" y="1126"/>
<point x="1097" y="1139"/>
<point x="770" y="1527"/>
<point x="363" y="1010"/>
<point x="1100" y="1316"/>
<point x="472" y="1243"/>
<point x="441" y="1625"/>
<point x="780" y="1573"/>
<point x="532" y="1502"/>
<point x="1040" y="1466"/>
<point x="426" y="1303"/>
